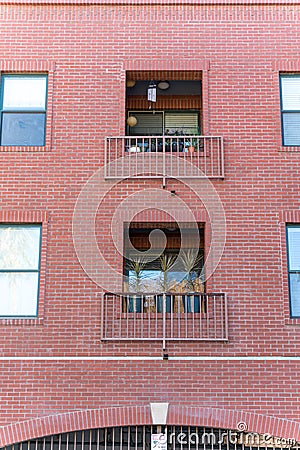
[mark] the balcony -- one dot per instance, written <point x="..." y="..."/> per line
<point x="164" y="157"/>
<point x="164" y="317"/>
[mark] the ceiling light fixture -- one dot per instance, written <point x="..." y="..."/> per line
<point x="163" y="85"/>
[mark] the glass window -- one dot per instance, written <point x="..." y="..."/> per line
<point x="19" y="269"/>
<point x="23" y="112"/>
<point x="148" y="124"/>
<point x="158" y="260"/>
<point x="178" y="123"/>
<point x="293" y="242"/>
<point x="290" y="109"/>
<point x="182" y="122"/>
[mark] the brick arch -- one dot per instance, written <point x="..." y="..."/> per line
<point x="141" y="415"/>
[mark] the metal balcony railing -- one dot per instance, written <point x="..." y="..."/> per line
<point x="164" y="317"/>
<point x="140" y="437"/>
<point x="164" y="157"/>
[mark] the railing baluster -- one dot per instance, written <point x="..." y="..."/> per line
<point x="179" y="315"/>
<point x="205" y="155"/>
<point x="127" y="315"/>
<point x="207" y="317"/>
<point x="134" y="316"/>
<point x="222" y="156"/>
<point x="120" y="305"/>
<point x="102" y="316"/>
<point x="142" y="317"/>
<point x="164" y="161"/>
<point x="106" y="156"/>
<point x="225" y="316"/>
<point x="215" y="316"/>
<point x="201" y="300"/>
<point x="156" y="316"/>
<point x="193" y="316"/>
<point x="186" y="316"/>
<point x="164" y="321"/>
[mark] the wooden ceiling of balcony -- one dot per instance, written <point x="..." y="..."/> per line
<point x="183" y="75"/>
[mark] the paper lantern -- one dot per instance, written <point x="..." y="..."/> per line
<point x="130" y="83"/>
<point x="132" y="121"/>
<point x="151" y="92"/>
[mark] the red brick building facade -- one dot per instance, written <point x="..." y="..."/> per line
<point x="95" y="156"/>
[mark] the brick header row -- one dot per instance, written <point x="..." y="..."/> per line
<point x="153" y="2"/>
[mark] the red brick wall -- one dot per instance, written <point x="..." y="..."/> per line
<point x="87" y="47"/>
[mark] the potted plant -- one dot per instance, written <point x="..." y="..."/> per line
<point x="192" y="262"/>
<point x="166" y="264"/>
<point x="194" y="143"/>
<point x="187" y="144"/>
<point x="191" y="144"/>
<point x="137" y="267"/>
